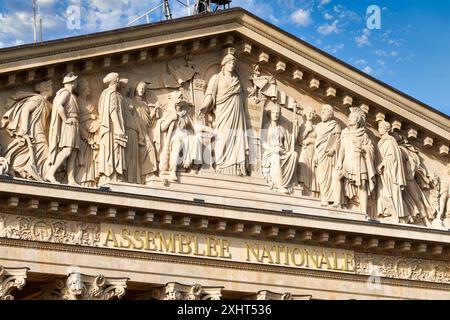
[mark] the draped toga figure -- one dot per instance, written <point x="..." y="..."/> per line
<point x="26" y="122"/>
<point x="89" y="125"/>
<point x="112" y="140"/>
<point x="279" y="161"/>
<point x="355" y="164"/>
<point x="444" y="200"/>
<point x="64" y="134"/>
<point x="135" y="138"/>
<point x="179" y="145"/>
<point x="307" y="138"/>
<point x="327" y="145"/>
<point x="416" y="202"/>
<point x="391" y="177"/>
<point x="146" y="119"/>
<point x="224" y="93"/>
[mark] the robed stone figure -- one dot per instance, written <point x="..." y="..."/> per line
<point x="224" y="94"/>
<point x="26" y="121"/>
<point x="279" y="160"/>
<point x="355" y="170"/>
<point x="146" y="119"/>
<point x="392" y="178"/>
<point x="307" y="138"/>
<point x="178" y="143"/>
<point x="444" y="199"/>
<point x="89" y="125"/>
<point x="112" y="140"/>
<point x="327" y="145"/>
<point x="64" y="134"/>
<point x="416" y="203"/>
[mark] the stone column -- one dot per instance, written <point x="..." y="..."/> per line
<point x="10" y="279"/>
<point x="77" y="286"/>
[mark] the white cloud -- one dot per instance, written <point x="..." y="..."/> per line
<point x="334" y="48"/>
<point x="46" y="2"/>
<point x="360" y="62"/>
<point x="301" y="17"/>
<point x="381" y="62"/>
<point x="384" y="53"/>
<point x="386" y="37"/>
<point x="327" y="29"/>
<point x="367" y="70"/>
<point x="328" y="16"/>
<point x="363" y="39"/>
<point x="344" y="14"/>
<point x="324" y="2"/>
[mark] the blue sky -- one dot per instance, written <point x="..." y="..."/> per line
<point x="410" y="51"/>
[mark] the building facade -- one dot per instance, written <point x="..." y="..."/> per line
<point x="215" y="157"/>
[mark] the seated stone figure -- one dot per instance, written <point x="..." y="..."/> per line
<point x="278" y="161"/>
<point x="178" y="143"/>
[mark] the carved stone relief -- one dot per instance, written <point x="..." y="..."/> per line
<point x="10" y="279"/>
<point x="269" y="295"/>
<point x="219" y="118"/>
<point x="78" y="286"/>
<point x="403" y="268"/>
<point x="279" y="161"/>
<point x="177" y="291"/>
<point x="224" y="96"/>
<point x="444" y="198"/>
<point x="391" y="176"/>
<point x="49" y="230"/>
<point x="64" y="133"/>
<point x="355" y="171"/>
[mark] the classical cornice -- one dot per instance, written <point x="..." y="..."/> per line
<point x="25" y="197"/>
<point x="313" y="274"/>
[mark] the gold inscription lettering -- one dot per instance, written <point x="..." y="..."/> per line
<point x="254" y="251"/>
<point x="184" y="244"/>
<point x="166" y="245"/>
<point x="111" y="237"/>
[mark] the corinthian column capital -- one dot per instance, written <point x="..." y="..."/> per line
<point x="10" y="279"/>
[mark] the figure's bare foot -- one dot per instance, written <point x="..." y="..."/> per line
<point x="73" y="183"/>
<point x="283" y="190"/>
<point x="150" y="178"/>
<point x="427" y="222"/>
<point x="172" y="176"/>
<point x="51" y="178"/>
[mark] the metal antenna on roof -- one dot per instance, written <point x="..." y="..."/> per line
<point x="167" y="12"/>
<point x="207" y="6"/>
<point x="200" y="6"/>
<point x="34" y="21"/>
<point x="165" y="5"/>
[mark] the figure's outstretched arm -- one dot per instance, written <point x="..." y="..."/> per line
<point x="166" y="123"/>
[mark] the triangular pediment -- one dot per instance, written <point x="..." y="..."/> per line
<point x="216" y="157"/>
<point x="274" y="68"/>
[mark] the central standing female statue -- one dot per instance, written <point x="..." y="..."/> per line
<point x="225" y="95"/>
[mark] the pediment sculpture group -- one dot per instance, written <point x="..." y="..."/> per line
<point x="124" y="138"/>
